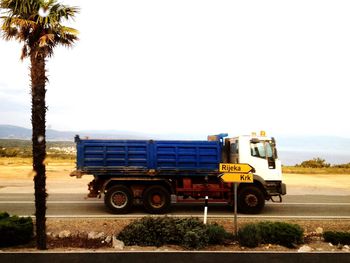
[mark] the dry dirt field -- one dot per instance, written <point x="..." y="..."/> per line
<point x="16" y="176"/>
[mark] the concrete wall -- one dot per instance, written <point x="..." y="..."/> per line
<point x="170" y="257"/>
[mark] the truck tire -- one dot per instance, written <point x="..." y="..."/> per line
<point x="250" y="200"/>
<point x="119" y="199"/>
<point x="156" y="199"/>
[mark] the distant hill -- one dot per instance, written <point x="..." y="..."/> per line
<point x="292" y="149"/>
<point x="314" y="143"/>
<point x="16" y="132"/>
<point x="296" y="149"/>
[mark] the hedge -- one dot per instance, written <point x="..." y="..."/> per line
<point x="336" y="238"/>
<point x="15" y="230"/>
<point x="189" y="233"/>
<point x="285" y="234"/>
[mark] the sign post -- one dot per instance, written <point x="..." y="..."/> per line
<point x="235" y="208"/>
<point x="236" y="173"/>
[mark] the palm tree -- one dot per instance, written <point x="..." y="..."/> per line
<point x="37" y="25"/>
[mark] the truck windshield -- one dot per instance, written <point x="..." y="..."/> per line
<point x="263" y="149"/>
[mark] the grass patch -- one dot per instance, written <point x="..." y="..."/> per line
<point x="29" y="160"/>
<point x="305" y="170"/>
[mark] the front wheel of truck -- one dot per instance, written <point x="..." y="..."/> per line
<point x="251" y="200"/>
<point x="156" y="199"/>
<point x="119" y="199"/>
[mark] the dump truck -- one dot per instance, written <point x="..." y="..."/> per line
<point x="158" y="173"/>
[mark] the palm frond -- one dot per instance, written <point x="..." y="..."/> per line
<point x="9" y="32"/>
<point x="21" y="22"/>
<point x="69" y="30"/>
<point x="46" y="39"/>
<point x="58" y="12"/>
<point x="22" y="8"/>
<point x="68" y="40"/>
<point x="38" y="32"/>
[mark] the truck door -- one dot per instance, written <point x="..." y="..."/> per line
<point x="263" y="150"/>
<point x="264" y="158"/>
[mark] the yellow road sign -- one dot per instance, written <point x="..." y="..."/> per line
<point x="240" y="168"/>
<point x="237" y="178"/>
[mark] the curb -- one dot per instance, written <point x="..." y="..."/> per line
<point x="170" y="257"/>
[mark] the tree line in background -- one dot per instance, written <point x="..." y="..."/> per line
<point x="23" y="149"/>
<point x="320" y="163"/>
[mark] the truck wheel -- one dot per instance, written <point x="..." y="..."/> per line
<point x="156" y="199"/>
<point x="119" y="199"/>
<point x="251" y="200"/>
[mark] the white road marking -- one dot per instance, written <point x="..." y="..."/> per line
<point x="308" y="203"/>
<point x="52" y="202"/>
<point x="101" y="202"/>
<point x="133" y="216"/>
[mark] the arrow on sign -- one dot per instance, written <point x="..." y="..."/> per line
<point x="237" y="178"/>
<point x="240" y="168"/>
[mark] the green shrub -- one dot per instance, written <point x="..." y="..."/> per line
<point x="4" y="215"/>
<point x="195" y="239"/>
<point x="337" y="237"/>
<point x="149" y="232"/>
<point x="314" y="163"/>
<point x="190" y="233"/>
<point x="15" y="230"/>
<point x="249" y="236"/>
<point x="217" y="234"/>
<point x="288" y="235"/>
<point x="281" y="233"/>
<point x="343" y="166"/>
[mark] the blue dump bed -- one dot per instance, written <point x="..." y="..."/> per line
<point x="113" y="157"/>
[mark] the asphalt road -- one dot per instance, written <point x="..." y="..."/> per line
<point x="75" y="205"/>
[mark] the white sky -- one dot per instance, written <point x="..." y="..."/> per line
<point x="192" y="67"/>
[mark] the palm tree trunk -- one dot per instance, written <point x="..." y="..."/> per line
<point x="38" y="79"/>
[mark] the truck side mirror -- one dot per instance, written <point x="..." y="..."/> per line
<point x="273" y="141"/>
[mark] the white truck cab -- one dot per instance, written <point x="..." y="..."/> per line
<point x="260" y="152"/>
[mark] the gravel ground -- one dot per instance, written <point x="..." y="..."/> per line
<point x="114" y="226"/>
